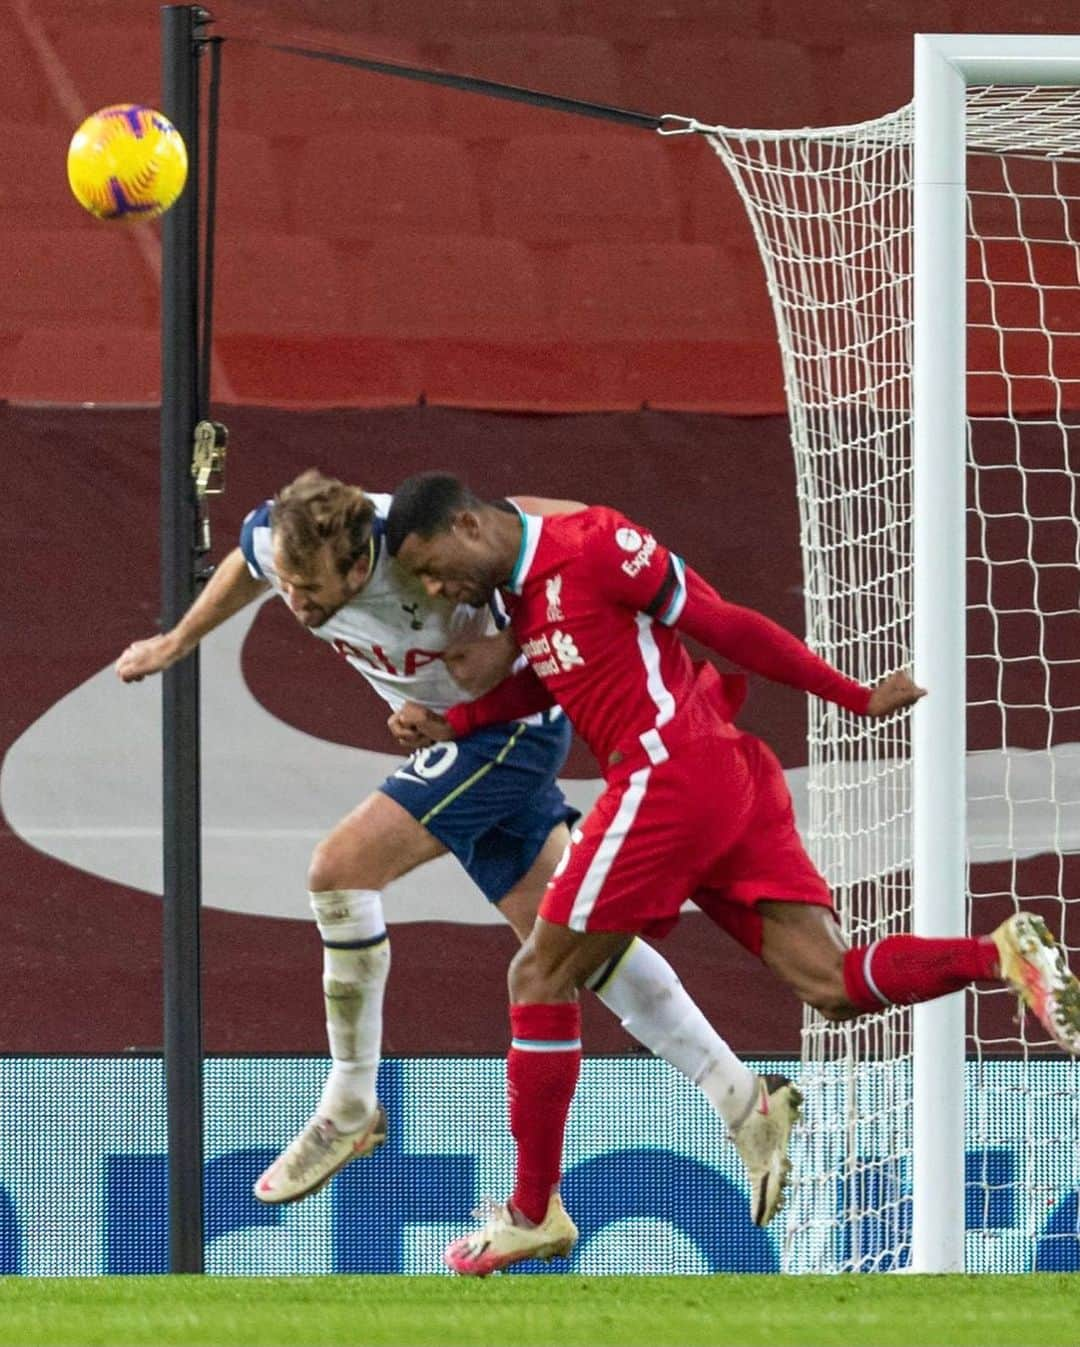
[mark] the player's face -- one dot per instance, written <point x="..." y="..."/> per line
<point x="455" y="565"/>
<point x="315" y="594"/>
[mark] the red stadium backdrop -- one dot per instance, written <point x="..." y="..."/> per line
<point x="382" y="245"/>
<point x="80" y="956"/>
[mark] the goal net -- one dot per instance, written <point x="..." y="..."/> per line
<point x="833" y="215"/>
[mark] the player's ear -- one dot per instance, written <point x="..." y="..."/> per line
<point x="358" y="571"/>
<point x="467" y="523"/>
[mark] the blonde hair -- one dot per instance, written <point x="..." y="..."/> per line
<point x="317" y="511"/>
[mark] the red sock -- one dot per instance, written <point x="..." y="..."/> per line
<point x="900" y="970"/>
<point x="541" y="1071"/>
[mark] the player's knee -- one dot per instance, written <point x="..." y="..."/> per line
<point x="322" y="872"/>
<point x="828" y="997"/>
<point x="833" y="1008"/>
<point x="533" y="977"/>
<point x="820" y="986"/>
<point x="807" y="955"/>
<point x="335" y="866"/>
<point x="522" y="973"/>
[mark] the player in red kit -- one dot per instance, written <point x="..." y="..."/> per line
<point x="693" y="808"/>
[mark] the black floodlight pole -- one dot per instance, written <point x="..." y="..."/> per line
<point x="180" y="704"/>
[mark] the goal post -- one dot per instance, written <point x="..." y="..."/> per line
<point x="924" y="269"/>
<point x="945" y="66"/>
<point x="939" y="587"/>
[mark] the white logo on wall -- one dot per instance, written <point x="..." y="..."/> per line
<point x="566" y="651"/>
<point x="628" y="539"/>
<point x="554" y="599"/>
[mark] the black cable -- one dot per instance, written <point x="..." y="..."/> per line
<point x="472" y="84"/>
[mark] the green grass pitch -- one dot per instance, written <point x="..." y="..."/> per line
<point x="1038" y="1310"/>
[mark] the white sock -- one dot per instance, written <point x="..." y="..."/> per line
<point x="356" y="961"/>
<point x="642" y="988"/>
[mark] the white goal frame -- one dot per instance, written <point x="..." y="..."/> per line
<point x="945" y="65"/>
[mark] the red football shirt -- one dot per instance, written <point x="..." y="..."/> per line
<point x="596" y="602"/>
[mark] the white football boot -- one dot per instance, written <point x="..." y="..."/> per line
<point x="314" y="1156"/>
<point x="499" y="1242"/>
<point x="762" y="1141"/>
<point x="1034" y="965"/>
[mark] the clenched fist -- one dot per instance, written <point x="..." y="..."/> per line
<point x="149" y="657"/>
<point x="414" y="726"/>
<point x="893" y="694"/>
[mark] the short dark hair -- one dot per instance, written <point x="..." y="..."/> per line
<point x="426" y="504"/>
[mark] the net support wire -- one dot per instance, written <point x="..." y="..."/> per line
<point x="665" y="124"/>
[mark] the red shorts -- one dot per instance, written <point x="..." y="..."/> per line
<point x="714" y="823"/>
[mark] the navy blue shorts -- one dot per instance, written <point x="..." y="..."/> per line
<point x="491" y="798"/>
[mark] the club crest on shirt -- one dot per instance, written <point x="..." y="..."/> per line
<point x="554" y="599"/>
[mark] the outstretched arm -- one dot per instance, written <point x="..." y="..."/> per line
<point x="755" y="642"/>
<point x="230" y="588"/>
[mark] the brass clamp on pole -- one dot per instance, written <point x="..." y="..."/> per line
<point x="208" y="470"/>
<point x="208" y="458"/>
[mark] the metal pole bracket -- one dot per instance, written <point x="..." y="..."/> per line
<point x="208" y="458"/>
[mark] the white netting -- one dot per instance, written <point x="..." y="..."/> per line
<point x="832" y="212"/>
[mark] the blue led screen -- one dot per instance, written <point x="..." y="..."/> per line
<point x="650" y="1178"/>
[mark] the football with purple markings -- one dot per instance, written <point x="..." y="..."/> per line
<point x="128" y="163"/>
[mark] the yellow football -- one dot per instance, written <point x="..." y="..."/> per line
<point x="127" y="163"/>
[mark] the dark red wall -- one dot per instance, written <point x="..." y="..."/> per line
<point x="382" y="241"/>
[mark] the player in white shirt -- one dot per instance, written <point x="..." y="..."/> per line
<point x="491" y="799"/>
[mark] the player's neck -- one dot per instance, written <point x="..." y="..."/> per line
<point x="505" y="533"/>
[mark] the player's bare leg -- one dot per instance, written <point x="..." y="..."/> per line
<point x="801" y="944"/>
<point x="519" y="906"/>
<point x="376" y="843"/>
<point x="556" y="962"/>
